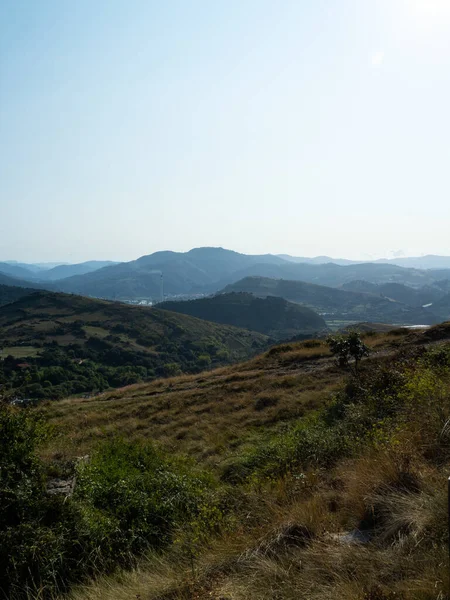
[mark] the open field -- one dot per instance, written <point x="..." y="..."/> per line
<point x="202" y="415"/>
<point x="21" y="351"/>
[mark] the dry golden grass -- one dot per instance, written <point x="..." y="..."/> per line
<point x="202" y="415"/>
<point x="208" y="415"/>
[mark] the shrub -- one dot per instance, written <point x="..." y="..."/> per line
<point x="265" y="401"/>
<point x="312" y="344"/>
<point x="22" y="504"/>
<point x="128" y="498"/>
<point x="310" y="443"/>
<point x="139" y="496"/>
<point x="280" y="349"/>
<point x="171" y="369"/>
<point x="204" y="360"/>
<point x="347" y="348"/>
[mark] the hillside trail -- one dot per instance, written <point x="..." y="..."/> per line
<point x="295" y="368"/>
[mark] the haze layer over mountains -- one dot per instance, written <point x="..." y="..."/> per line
<point x="409" y="291"/>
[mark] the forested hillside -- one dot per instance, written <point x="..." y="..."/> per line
<point x="272" y="316"/>
<point x="55" y="345"/>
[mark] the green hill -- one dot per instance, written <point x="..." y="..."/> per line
<point x="10" y="293"/>
<point x="273" y="316"/>
<point x="337" y="306"/>
<point x="74" y="345"/>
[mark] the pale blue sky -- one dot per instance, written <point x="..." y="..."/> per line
<point x="306" y="127"/>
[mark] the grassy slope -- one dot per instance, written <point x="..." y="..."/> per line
<point x="210" y="416"/>
<point x="272" y="316"/>
<point x="289" y="543"/>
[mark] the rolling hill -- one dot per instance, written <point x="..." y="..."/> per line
<point x="337" y="306"/>
<point x="16" y="270"/>
<point x="74" y="344"/>
<point x="398" y="292"/>
<point x="272" y="316"/>
<point x="16" y="282"/>
<point x="10" y="293"/>
<point x="441" y="307"/>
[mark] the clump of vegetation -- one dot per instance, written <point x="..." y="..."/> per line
<point x="349" y="350"/>
<point x="128" y="498"/>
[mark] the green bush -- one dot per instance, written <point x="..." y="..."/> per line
<point x="310" y="443"/>
<point x="204" y="360"/>
<point x="347" y="348"/>
<point x="25" y="541"/>
<point x="128" y="498"/>
<point x="140" y="496"/>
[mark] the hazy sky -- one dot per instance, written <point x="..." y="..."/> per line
<point x="306" y="127"/>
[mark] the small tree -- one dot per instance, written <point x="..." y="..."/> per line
<point x="347" y="348"/>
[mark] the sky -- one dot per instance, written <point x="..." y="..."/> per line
<point x="305" y="127"/>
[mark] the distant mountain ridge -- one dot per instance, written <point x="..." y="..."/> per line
<point x="15" y="270"/>
<point x="15" y="282"/>
<point x="53" y="272"/>
<point x="426" y="295"/>
<point x="199" y="270"/>
<point x="205" y="271"/>
<point x="430" y="261"/>
<point x="335" y="304"/>
<point x="64" y="271"/>
<point x="318" y="260"/>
